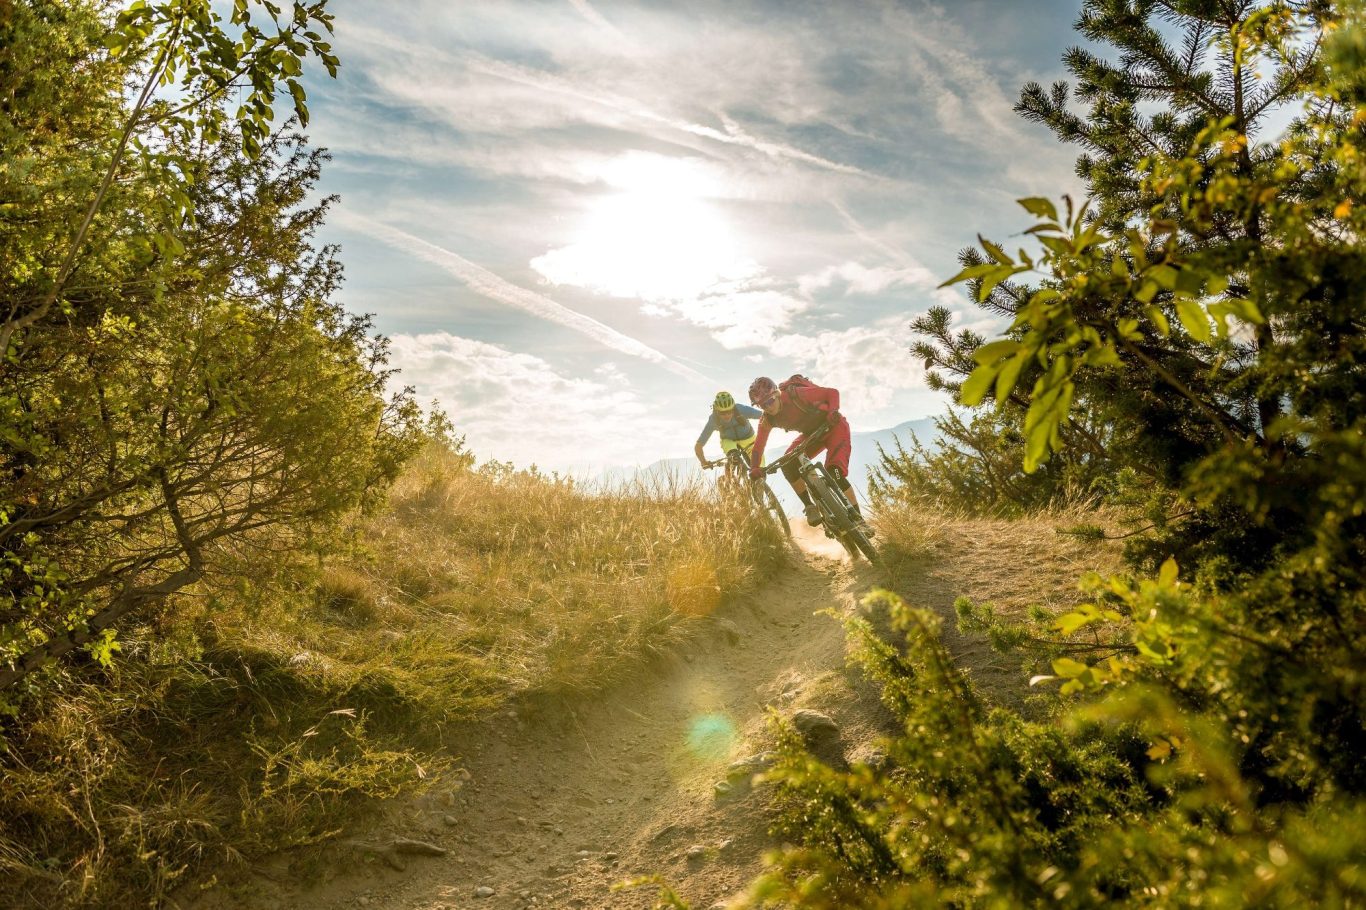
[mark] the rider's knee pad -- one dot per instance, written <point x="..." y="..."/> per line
<point x="838" y="474"/>
<point x="790" y="472"/>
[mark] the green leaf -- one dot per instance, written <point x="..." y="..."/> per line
<point x="1039" y="207"/>
<point x="974" y="388"/>
<point x="1010" y="374"/>
<point x="1068" y="668"/>
<point x="994" y="251"/>
<point x="1071" y="622"/>
<point x="1189" y="281"/>
<point x="990" y="281"/>
<point x="1164" y="275"/>
<point x="1158" y="319"/>
<point x="1194" y="318"/>
<point x="971" y="272"/>
<point x="1245" y="310"/>
<point x="993" y="351"/>
<point x="1166" y="576"/>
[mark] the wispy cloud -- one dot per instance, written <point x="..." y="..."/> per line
<point x="732" y="134"/>
<point x="486" y="283"/>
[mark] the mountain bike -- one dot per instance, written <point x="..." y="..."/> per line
<point x="736" y="465"/>
<point x="839" y="520"/>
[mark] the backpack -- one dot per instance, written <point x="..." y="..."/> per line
<point x="798" y="381"/>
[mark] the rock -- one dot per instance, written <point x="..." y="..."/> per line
<point x="741" y="772"/>
<point x="729" y="630"/>
<point x="609" y="857"/>
<point x="450" y="820"/>
<point x="726" y="844"/>
<point x="723" y="788"/>
<point x="814" y="725"/>
<point x="696" y="853"/>
<point x="483" y="891"/>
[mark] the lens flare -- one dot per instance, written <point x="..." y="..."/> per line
<point x="712" y="736"/>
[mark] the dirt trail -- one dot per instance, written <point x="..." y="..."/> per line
<point x="557" y="808"/>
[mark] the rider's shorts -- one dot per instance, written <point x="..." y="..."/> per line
<point x="746" y="444"/>
<point x="836" y="445"/>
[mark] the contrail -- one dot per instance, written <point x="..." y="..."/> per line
<point x="533" y="78"/>
<point x="585" y="9"/>
<point x="892" y="253"/>
<point x="482" y="281"/>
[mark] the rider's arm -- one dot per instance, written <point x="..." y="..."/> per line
<point x="756" y="455"/>
<point x="702" y="440"/>
<point x="745" y="410"/>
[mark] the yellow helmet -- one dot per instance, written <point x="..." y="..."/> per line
<point x="724" y="402"/>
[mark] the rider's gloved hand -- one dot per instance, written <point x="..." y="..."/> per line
<point x="756" y="473"/>
<point x="832" y="418"/>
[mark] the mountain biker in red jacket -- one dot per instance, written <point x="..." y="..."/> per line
<point x="805" y="408"/>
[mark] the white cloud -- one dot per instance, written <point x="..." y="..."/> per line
<point x="516" y="404"/>
<point x="868" y="364"/>
<point x="857" y="278"/>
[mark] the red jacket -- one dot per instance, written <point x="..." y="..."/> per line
<point x="806" y="417"/>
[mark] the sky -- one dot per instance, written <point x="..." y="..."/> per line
<point x="578" y="220"/>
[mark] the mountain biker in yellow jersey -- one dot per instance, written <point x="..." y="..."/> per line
<point x="801" y="405"/>
<point x="732" y="421"/>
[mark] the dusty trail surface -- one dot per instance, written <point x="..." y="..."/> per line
<point x="554" y="808"/>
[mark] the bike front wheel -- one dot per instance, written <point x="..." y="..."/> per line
<point x="767" y="500"/>
<point x="840" y="520"/>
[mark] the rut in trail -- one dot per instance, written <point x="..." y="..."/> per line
<point x="561" y="806"/>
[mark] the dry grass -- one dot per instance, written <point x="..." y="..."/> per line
<point x="267" y="717"/>
<point x="1014" y="563"/>
<point x="1021" y="569"/>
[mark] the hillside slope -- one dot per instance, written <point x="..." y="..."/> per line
<point x="558" y="803"/>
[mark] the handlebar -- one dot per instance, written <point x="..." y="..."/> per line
<point x="778" y="463"/>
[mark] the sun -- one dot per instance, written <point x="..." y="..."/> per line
<point x="658" y="235"/>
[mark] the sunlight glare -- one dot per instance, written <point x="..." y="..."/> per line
<point x="658" y="237"/>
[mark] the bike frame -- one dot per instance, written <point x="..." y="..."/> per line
<point x="837" y="511"/>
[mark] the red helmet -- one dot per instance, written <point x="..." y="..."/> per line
<point x="761" y="389"/>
